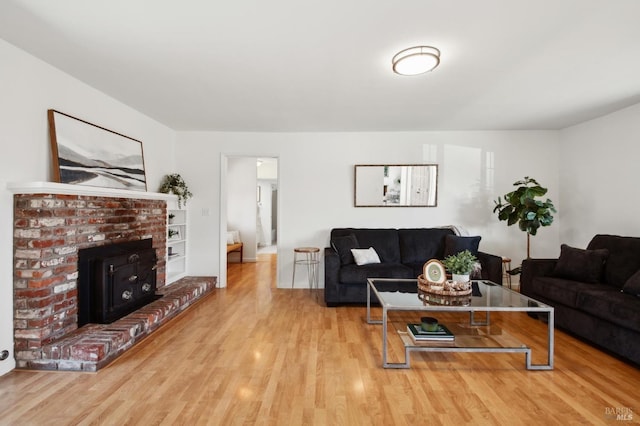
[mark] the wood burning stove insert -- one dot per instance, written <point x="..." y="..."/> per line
<point x="115" y="280"/>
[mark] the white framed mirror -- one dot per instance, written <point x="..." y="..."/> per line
<point x="396" y="185"/>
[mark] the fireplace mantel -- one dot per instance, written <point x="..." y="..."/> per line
<point x="67" y="189"/>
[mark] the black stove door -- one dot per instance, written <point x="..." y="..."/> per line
<point x="124" y="284"/>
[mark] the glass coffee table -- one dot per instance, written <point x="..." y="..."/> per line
<point x="472" y="334"/>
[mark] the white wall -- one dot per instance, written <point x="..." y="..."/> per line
<point x="265" y="227"/>
<point x="241" y="202"/>
<point x="600" y="176"/>
<point x="268" y="182"/>
<point x="28" y="88"/>
<point x="316" y="185"/>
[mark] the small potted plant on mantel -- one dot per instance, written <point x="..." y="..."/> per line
<point x="460" y="265"/>
<point x="175" y="184"/>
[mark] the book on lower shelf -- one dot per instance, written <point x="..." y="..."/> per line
<point x="419" y="335"/>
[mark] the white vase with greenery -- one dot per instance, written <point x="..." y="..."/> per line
<point x="175" y="184"/>
<point x="460" y="265"/>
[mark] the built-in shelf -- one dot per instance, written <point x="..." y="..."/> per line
<point x="176" y="244"/>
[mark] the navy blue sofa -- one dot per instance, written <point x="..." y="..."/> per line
<point x="402" y="254"/>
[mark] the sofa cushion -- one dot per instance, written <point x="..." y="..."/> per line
<point x="454" y="244"/>
<point x="384" y="241"/>
<point x="611" y="305"/>
<point x="343" y="245"/>
<point x="561" y="290"/>
<point x="420" y="245"/>
<point x="354" y="274"/>
<point x="623" y="260"/>
<point x="580" y="265"/>
<point x="365" y="256"/>
<point x="632" y="286"/>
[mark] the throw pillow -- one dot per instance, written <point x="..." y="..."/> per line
<point x="365" y="256"/>
<point x="454" y="244"/>
<point x="229" y="237"/>
<point x="632" y="286"/>
<point x="236" y="236"/>
<point x="343" y="246"/>
<point x="580" y="265"/>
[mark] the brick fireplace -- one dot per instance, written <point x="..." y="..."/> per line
<point x="49" y="230"/>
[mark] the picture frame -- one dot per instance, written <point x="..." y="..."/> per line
<point x="434" y="271"/>
<point x="84" y="153"/>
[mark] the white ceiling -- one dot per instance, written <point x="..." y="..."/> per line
<point x="292" y="65"/>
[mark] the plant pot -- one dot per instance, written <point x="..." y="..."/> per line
<point x="460" y="278"/>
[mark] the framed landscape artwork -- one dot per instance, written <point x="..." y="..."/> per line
<point x="86" y="154"/>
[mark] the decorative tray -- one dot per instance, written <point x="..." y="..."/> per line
<point x="444" y="300"/>
<point x="446" y="288"/>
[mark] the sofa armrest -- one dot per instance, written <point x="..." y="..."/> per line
<point x="491" y="267"/>
<point x="331" y="276"/>
<point x="534" y="268"/>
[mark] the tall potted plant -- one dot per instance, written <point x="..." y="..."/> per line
<point x="521" y="207"/>
<point x="174" y="184"/>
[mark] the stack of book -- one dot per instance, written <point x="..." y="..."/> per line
<point x="419" y="335"/>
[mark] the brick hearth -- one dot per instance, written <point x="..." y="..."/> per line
<point x="95" y="345"/>
<point x="49" y="229"/>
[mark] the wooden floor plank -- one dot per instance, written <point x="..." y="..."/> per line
<point x="255" y="354"/>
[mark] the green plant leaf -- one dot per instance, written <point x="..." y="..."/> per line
<point x="460" y="263"/>
<point x="505" y="212"/>
<point x="536" y="191"/>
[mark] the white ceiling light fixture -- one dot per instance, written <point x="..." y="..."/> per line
<point x="416" y="60"/>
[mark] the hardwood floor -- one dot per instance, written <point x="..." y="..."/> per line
<point x="254" y="354"/>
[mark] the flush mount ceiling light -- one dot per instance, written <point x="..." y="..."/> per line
<point x="416" y="60"/>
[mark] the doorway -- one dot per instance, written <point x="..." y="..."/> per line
<point x="249" y="209"/>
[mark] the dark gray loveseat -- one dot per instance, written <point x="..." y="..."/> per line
<point x="402" y="254"/>
<point x="595" y="292"/>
